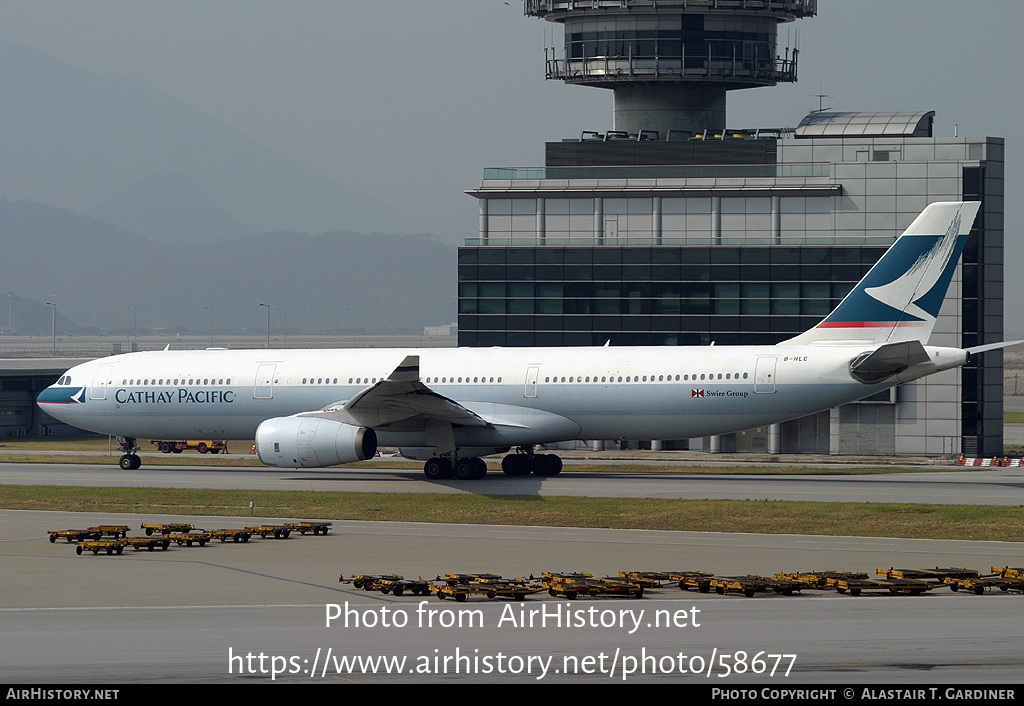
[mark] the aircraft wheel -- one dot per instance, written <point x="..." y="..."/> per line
<point x="515" y="465"/>
<point x="136" y="463"/>
<point x="541" y="465"/>
<point x="554" y="464"/>
<point x="125" y="463"/>
<point x="479" y="468"/>
<point x="464" y="469"/>
<point x="437" y="469"/>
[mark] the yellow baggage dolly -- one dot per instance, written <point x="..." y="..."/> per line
<point x="73" y="535"/>
<point x="200" y="537"/>
<point x="747" y="585"/>
<point x="115" y="531"/>
<point x="235" y="535"/>
<point x="367" y="582"/>
<point x="1003" y="578"/>
<point x="150" y="543"/>
<point x="278" y="531"/>
<point x="820" y="579"/>
<point x="399" y="586"/>
<point x="701" y="580"/>
<point x="166" y="529"/>
<point x="938" y="575"/>
<point x="109" y="546"/>
<point x="894" y="586"/>
<point x="314" y="527"/>
<point x="647" y="579"/>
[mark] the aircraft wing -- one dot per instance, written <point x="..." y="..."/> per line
<point x="401" y="397"/>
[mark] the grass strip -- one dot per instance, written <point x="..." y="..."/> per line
<point x="919" y="521"/>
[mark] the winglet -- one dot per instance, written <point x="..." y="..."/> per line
<point x="407" y="371"/>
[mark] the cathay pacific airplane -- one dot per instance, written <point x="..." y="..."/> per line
<point x="449" y="407"/>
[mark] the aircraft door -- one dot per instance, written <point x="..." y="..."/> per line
<point x="98" y="389"/>
<point x="532" y="373"/>
<point x="764" y="375"/>
<point x="264" y="387"/>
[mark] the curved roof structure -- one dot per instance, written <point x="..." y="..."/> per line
<point x="917" y="124"/>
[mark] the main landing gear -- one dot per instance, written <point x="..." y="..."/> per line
<point x="527" y="462"/>
<point x="130" y="461"/>
<point x="440" y="468"/>
<point x="522" y="463"/>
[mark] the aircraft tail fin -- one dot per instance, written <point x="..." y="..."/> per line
<point x="899" y="298"/>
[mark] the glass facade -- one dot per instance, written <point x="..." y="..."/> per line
<point x="579" y="296"/>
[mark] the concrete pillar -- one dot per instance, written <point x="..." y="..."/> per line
<point x="541" y="223"/>
<point x="776" y="220"/>
<point x="774" y="438"/>
<point x="715" y="444"/>
<point x="716" y="220"/>
<point x="664" y="107"/>
<point x="483" y="221"/>
<point x="656" y="220"/>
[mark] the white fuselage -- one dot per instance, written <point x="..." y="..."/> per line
<point x="537" y="394"/>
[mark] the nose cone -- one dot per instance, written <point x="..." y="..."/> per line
<point x="59" y="400"/>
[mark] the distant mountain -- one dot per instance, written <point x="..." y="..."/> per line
<point x="103" y="276"/>
<point x="170" y="207"/>
<point x="81" y="140"/>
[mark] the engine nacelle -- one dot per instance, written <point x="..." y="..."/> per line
<point x="309" y="442"/>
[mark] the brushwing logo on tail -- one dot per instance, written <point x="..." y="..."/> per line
<point x="906" y="287"/>
<point x="921" y="277"/>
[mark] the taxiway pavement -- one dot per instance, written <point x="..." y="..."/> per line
<point x="205" y="614"/>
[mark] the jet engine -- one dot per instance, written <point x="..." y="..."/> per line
<point x="309" y="442"/>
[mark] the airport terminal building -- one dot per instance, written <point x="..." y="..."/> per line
<point x="750" y="237"/>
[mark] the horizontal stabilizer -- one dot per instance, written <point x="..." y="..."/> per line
<point x="992" y="347"/>
<point x="886" y="361"/>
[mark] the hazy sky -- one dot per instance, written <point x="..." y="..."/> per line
<point x="408" y="100"/>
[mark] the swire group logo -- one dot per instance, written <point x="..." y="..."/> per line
<point x="696" y="393"/>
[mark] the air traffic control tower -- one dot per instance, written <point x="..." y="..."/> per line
<point x="670" y="62"/>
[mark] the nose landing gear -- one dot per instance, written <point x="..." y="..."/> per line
<point x="130" y="461"/>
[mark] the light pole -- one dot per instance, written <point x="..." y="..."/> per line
<point x="53" y="327"/>
<point x="135" y="327"/>
<point x="268" y="324"/>
<point x="210" y="309"/>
